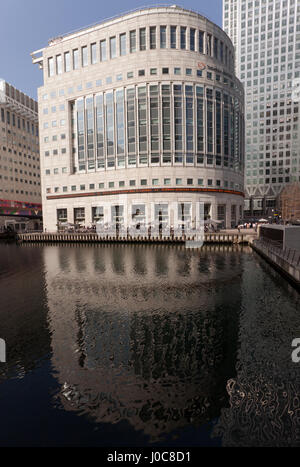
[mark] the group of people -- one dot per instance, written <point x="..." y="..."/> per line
<point x="248" y="225"/>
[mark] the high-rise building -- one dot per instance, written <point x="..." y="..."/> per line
<point x="20" y="183"/>
<point x="266" y="35"/>
<point x="145" y="105"/>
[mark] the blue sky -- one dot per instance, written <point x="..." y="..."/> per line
<point x="26" y="25"/>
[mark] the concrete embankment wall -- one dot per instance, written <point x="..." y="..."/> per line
<point x="287" y="263"/>
<point x="94" y="238"/>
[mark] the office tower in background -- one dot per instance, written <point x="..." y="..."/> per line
<point x="266" y="36"/>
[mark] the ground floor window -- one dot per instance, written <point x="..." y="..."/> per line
<point x="97" y="214"/>
<point x="79" y="215"/>
<point x="62" y="215"/>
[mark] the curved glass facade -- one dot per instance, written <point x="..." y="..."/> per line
<point x="163" y="123"/>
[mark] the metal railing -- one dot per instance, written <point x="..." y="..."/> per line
<point x="287" y="254"/>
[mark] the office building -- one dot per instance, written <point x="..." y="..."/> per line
<point x="144" y="106"/>
<point x="20" y="183"/>
<point x="266" y="35"/>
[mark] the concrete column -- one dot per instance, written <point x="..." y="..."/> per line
<point x="228" y="216"/>
<point x="88" y="216"/>
<point x="71" y="214"/>
<point x="214" y="210"/>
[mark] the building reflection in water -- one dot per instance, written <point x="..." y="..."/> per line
<point x="146" y="334"/>
<point x="265" y="394"/>
<point x="23" y="310"/>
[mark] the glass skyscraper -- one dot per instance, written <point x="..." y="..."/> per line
<point x="266" y="36"/>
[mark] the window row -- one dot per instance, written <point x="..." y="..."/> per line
<point x="12" y="119"/>
<point x="154" y="119"/>
<point x="138" y="217"/>
<point x="209" y="183"/>
<point x="163" y="37"/>
<point x="144" y="182"/>
<point x="177" y="71"/>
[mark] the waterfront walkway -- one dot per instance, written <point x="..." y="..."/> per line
<point x="231" y="236"/>
<point x="287" y="261"/>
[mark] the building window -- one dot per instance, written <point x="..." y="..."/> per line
<point x="132" y="41"/>
<point x="163" y="37"/>
<point x="178" y="181"/>
<point x="165" y="71"/>
<point x="75" y="59"/>
<point x="153" y="37"/>
<point x="183" y="37"/>
<point x="201" y="42"/>
<point x="132" y="183"/>
<point x="141" y="72"/>
<point x="62" y="215"/>
<point x="188" y="71"/>
<point x="113" y="47"/>
<point x="143" y="39"/>
<point x="98" y="213"/>
<point x="50" y="66"/>
<point x="103" y="55"/>
<point x="177" y="71"/>
<point x="173" y="41"/>
<point x="84" y="56"/>
<point x="153" y="71"/>
<point x="192" y="39"/>
<point x="93" y="53"/>
<point x="79" y="215"/>
<point x="59" y="68"/>
<point x="167" y="181"/>
<point x="122" y="44"/>
<point x="155" y="181"/>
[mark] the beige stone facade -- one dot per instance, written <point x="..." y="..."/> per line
<point x="20" y="181"/>
<point x="144" y="107"/>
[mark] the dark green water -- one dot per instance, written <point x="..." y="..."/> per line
<point x="123" y="345"/>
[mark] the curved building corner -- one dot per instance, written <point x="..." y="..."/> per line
<point x="144" y="106"/>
